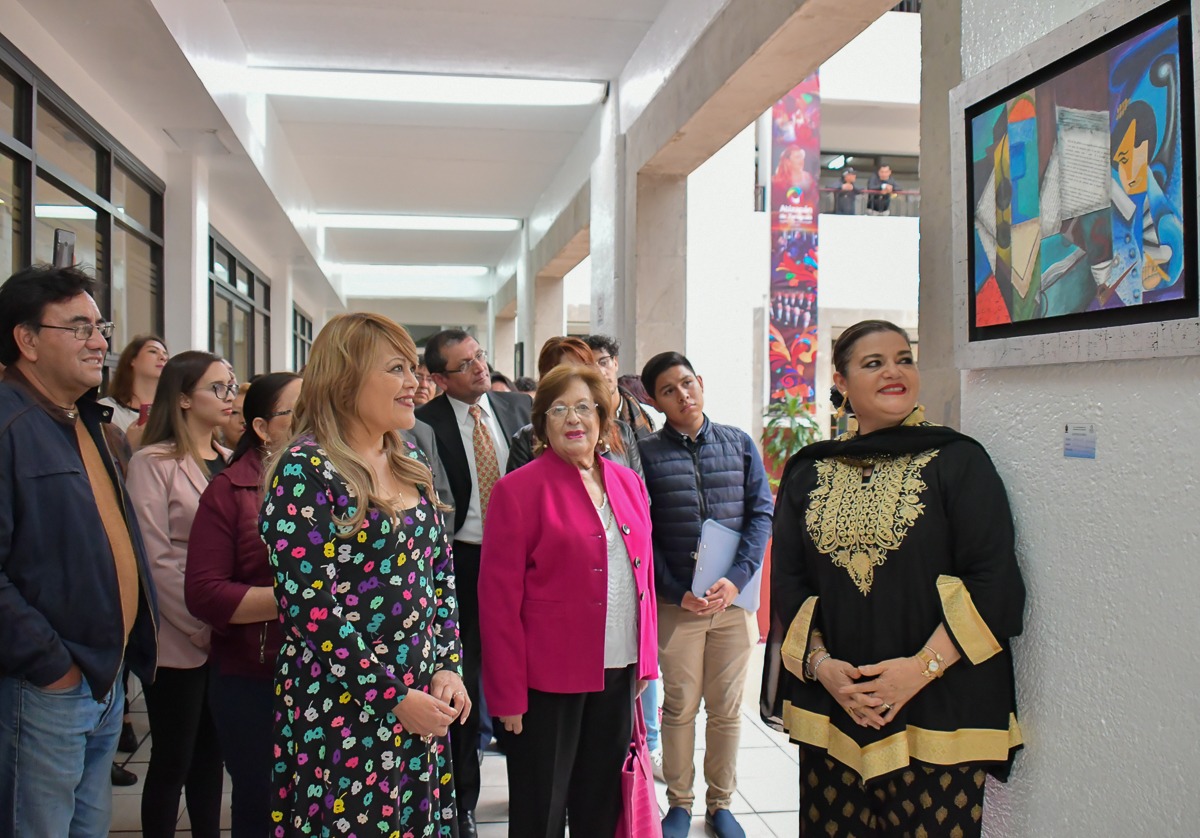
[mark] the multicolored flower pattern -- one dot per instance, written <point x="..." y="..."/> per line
<point x="367" y="615"/>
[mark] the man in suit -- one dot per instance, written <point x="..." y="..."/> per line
<point x="473" y="426"/>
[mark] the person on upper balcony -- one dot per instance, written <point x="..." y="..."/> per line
<point x="845" y="201"/>
<point x="880" y="189"/>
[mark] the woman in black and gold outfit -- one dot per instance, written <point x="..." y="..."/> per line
<point x="895" y="590"/>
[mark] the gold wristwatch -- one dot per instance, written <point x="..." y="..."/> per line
<point x="933" y="663"/>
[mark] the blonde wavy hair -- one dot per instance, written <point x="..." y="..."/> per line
<point x="342" y="356"/>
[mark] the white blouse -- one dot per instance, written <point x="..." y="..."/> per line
<point x="621" y="620"/>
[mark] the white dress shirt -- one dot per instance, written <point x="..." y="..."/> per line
<point x="472" y="528"/>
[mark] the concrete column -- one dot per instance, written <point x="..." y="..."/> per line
<point x="659" y="285"/>
<point x="282" y="304"/>
<point x="941" y="71"/>
<point x="185" y="274"/>
<point x="526" y="291"/>
<point x="504" y="341"/>
<point x="549" y="315"/>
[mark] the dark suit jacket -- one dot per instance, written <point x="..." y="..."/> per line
<point x="512" y="413"/>
<point x="422" y="436"/>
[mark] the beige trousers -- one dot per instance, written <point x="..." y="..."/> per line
<point x="702" y="658"/>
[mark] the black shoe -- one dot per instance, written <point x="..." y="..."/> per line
<point x="466" y="825"/>
<point x="128" y="743"/>
<point x="121" y="777"/>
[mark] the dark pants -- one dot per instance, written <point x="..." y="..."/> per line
<point x="464" y="738"/>
<point x="567" y="760"/>
<point x="242" y="709"/>
<point x="920" y="800"/>
<point x="184" y="755"/>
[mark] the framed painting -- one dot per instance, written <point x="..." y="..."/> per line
<point x="1075" y="190"/>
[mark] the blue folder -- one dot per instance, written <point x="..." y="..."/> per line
<point x="715" y="555"/>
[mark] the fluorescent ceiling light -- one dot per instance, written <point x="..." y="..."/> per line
<point x="837" y="162"/>
<point x="366" y="221"/>
<point x="73" y="213"/>
<point x="426" y="89"/>
<point x="408" y="271"/>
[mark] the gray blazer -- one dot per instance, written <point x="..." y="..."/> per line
<point x="422" y="436"/>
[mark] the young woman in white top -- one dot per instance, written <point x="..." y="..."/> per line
<point x="135" y="380"/>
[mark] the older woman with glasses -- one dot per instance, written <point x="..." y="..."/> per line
<point x="166" y="479"/>
<point x="569" y="624"/>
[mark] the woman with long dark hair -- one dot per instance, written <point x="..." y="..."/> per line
<point x="167" y="476"/>
<point x="228" y="584"/>
<point x="135" y="379"/>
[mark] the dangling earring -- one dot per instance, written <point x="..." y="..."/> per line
<point x="841" y="411"/>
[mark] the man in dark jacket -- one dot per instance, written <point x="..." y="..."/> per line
<point x="76" y="598"/>
<point x="698" y="470"/>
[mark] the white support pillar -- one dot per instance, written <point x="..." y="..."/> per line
<point x="185" y="275"/>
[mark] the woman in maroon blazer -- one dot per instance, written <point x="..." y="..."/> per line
<point x="228" y="584"/>
<point x="567" y="613"/>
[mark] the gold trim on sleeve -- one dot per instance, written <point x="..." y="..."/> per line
<point x="936" y="747"/>
<point x="795" y="645"/>
<point x="964" y="621"/>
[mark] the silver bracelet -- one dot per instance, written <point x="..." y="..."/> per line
<point x="817" y="665"/>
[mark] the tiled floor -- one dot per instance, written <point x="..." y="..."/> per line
<point x="765" y="804"/>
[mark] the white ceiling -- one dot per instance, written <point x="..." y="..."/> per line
<point x="431" y="159"/>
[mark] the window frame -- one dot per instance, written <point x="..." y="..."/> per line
<point x="254" y="305"/>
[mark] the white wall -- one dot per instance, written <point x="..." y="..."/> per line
<point x="883" y="64"/>
<point x="728" y="275"/>
<point x="868" y="262"/>
<point x="1107" y="669"/>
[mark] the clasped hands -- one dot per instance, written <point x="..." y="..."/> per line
<point x="429" y="714"/>
<point x="873" y="694"/>
<point x="715" y="600"/>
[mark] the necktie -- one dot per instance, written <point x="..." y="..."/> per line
<point x="486" y="466"/>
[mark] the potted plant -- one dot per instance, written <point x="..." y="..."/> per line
<point x="790" y="425"/>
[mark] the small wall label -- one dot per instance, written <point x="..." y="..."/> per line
<point x="1079" y="441"/>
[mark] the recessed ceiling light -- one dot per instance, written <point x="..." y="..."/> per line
<point x="408" y="271"/>
<point x="422" y="88"/>
<point x="367" y="221"/>
<point x="68" y="212"/>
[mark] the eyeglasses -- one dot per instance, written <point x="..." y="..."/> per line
<point x="583" y="411"/>
<point x="424" y="378"/>
<point x="84" y="331"/>
<point x="481" y="357"/>
<point x="606" y="361"/>
<point x="223" y="391"/>
<point x="278" y="413"/>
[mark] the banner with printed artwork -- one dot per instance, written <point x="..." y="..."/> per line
<point x="793" y="200"/>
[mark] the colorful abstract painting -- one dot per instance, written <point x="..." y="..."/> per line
<point x="793" y="197"/>
<point x="1080" y="190"/>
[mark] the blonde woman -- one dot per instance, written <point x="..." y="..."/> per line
<point x="369" y="675"/>
<point x="167" y="476"/>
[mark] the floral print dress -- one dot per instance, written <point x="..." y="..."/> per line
<point x="367" y="616"/>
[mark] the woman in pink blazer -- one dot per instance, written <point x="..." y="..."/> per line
<point x="567" y="613"/>
<point x="167" y="476"/>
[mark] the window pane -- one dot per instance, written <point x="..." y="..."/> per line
<point x="135" y="288"/>
<point x="262" y="344"/>
<point x="8" y="105"/>
<point x="132" y="198"/>
<point x="64" y="146"/>
<point x="222" y="264"/>
<point x="222" y="328"/>
<point x="10" y="218"/>
<point x="57" y="210"/>
<point x="244" y="280"/>
<point x="262" y="295"/>
<point x="240" y="356"/>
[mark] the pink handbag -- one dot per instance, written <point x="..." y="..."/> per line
<point x="640" y="818"/>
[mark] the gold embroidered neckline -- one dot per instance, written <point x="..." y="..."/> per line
<point x="859" y="523"/>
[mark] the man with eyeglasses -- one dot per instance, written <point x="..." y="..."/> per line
<point x="698" y="470"/>
<point x="76" y="598"/>
<point x="473" y="426"/>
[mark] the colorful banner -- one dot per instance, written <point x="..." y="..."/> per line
<point x="793" y="197"/>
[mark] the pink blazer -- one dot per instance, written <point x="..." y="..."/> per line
<point x="166" y="492"/>
<point x="543" y="582"/>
